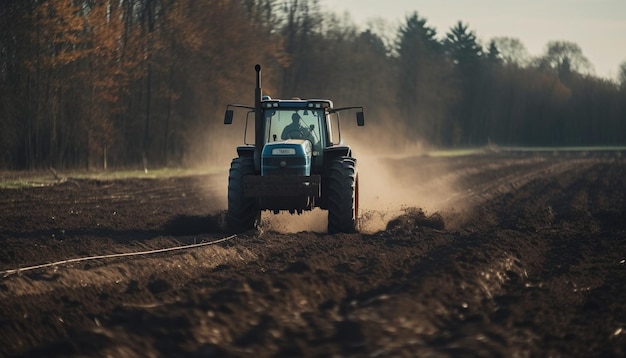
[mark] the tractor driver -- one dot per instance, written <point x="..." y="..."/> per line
<point x="295" y="130"/>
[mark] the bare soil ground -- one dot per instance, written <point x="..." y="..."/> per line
<point x="523" y="254"/>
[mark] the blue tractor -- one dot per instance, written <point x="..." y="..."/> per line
<point x="296" y="163"/>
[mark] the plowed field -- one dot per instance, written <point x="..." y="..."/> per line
<point x="495" y="254"/>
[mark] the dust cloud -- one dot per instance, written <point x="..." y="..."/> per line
<point x="395" y="175"/>
<point x="393" y="180"/>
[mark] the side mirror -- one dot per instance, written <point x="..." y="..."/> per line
<point x="360" y="119"/>
<point x="228" y="116"/>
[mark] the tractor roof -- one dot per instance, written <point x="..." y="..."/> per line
<point x="267" y="102"/>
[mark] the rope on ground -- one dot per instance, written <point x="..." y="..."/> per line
<point x="100" y="257"/>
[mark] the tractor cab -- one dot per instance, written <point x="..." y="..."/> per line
<point x="288" y="122"/>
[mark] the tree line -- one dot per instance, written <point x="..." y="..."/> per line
<point x="126" y="83"/>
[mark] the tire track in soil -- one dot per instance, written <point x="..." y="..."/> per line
<point x="532" y="262"/>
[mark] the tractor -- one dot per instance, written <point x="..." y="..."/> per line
<point x="298" y="162"/>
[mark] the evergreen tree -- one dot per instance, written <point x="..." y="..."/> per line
<point x="467" y="56"/>
<point x="621" y="76"/>
<point x="461" y="46"/>
<point x="422" y="78"/>
<point x="493" y="54"/>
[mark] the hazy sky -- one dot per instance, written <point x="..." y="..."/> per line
<point x="597" y="26"/>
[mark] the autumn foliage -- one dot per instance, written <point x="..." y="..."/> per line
<point x="139" y="83"/>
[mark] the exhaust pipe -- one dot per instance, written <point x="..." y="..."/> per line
<point x="258" y="120"/>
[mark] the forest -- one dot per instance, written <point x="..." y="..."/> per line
<point x="97" y="84"/>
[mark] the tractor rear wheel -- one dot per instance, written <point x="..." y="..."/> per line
<point x="342" y="195"/>
<point x="243" y="212"/>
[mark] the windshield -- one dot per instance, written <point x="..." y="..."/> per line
<point x="282" y="124"/>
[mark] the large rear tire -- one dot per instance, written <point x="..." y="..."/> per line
<point x="342" y="195"/>
<point x="243" y="212"/>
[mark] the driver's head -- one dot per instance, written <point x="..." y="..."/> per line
<point x="295" y="117"/>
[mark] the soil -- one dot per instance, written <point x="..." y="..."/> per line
<point x="511" y="254"/>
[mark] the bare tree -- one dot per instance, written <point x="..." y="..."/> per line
<point x="512" y="51"/>
<point x="564" y="57"/>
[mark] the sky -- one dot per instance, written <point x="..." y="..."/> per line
<point x="597" y="26"/>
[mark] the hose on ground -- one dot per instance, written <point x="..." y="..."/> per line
<point x="6" y="273"/>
